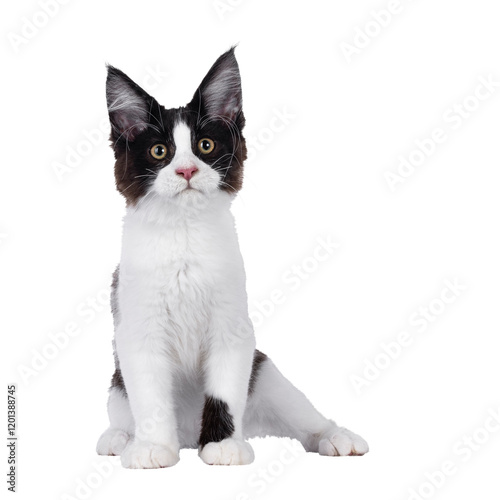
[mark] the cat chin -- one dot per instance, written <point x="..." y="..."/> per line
<point x="187" y="194"/>
<point x="192" y="199"/>
<point x="169" y="186"/>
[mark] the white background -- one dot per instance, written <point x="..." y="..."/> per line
<point x="323" y="174"/>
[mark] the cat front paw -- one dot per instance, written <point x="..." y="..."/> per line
<point x="342" y="442"/>
<point x="227" y="452"/>
<point x="146" y="455"/>
<point x="112" y="442"/>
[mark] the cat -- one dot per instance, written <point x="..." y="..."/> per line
<point x="187" y="372"/>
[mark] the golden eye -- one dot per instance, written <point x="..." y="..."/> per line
<point x="206" y="146"/>
<point x="158" y="151"/>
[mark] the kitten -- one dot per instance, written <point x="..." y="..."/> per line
<point x="187" y="372"/>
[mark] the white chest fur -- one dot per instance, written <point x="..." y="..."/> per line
<point x="180" y="269"/>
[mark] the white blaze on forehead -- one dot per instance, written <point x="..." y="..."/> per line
<point x="182" y="140"/>
<point x="169" y="183"/>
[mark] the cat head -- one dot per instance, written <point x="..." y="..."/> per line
<point x="184" y="153"/>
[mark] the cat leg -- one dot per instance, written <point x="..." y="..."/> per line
<point x="277" y="408"/>
<point x="227" y="372"/>
<point x="121" y="424"/>
<point x="148" y="379"/>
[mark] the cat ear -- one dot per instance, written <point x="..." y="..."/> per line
<point x="128" y="105"/>
<point x="220" y="91"/>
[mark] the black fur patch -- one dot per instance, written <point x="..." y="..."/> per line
<point x="114" y="292"/>
<point x="117" y="379"/>
<point x="258" y="359"/>
<point x="217" y="422"/>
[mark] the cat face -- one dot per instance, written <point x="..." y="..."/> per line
<point x="181" y="153"/>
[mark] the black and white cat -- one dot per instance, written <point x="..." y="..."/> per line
<point x="187" y="372"/>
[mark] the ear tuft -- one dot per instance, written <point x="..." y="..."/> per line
<point x="128" y="105"/>
<point x="220" y="91"/>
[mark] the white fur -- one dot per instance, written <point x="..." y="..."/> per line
<point x="342" y="442"/>
<point x="227" y="452"/>
<point x="183" y="331"/>
<point x="149" y="455"/>
<point x="112" y="442"/>
<point x="116" y="437"/>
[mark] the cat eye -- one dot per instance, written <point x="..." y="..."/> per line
<point x="206" y="145"/>
<point x="158" y="151"/>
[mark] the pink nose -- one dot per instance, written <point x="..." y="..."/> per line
<point x="187" y="172"/>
